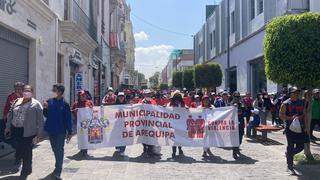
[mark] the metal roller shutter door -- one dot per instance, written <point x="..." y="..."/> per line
<point x="13" y="63"/>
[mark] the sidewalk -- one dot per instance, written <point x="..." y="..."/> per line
<point x="260" y="161"/>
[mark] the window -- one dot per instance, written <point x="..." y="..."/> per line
<point x="214" y="38"/>
<point x="59" y="69"/>
<point x="211" y="41"/>
<point x="260" y="6"/>
<point x="252" y="9"/>
<point x="232" y="22"/>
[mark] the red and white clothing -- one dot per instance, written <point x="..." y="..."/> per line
<point x="109" y="99"/>
<point x="10" y="100"/>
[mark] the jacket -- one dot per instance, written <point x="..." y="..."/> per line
<point x="33" y="121"/>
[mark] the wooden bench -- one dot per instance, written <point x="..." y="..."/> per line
<point x="264" y="129"/>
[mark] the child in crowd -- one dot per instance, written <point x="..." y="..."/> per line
<point x="254" y="122"/>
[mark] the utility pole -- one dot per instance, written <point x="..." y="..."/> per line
<point x="227" y="77"/>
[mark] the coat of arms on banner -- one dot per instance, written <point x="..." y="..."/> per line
<point x="95" y="126"/>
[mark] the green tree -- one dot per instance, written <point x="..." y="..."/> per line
<point x="291" y="50"/>
<point x="207" y="75"/>
<point x="292" y="53"/>
<point x="187" y="79"/>
<point x="154" y="80"/>
<point x="177" y="79"/>
<point x="164" y="86"/>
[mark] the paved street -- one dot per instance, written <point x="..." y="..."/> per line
<point x="263" y="161"/>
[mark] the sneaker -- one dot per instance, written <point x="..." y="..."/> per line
<point x="204" y="155"/>
<point x="173" y="155"/>
<point x="210" y="153"/>
<point x="235" y="155"/>
<point x="291" y="172"/>
<point x="122" y="154"/>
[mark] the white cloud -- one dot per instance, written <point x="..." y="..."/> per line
<point x="141" y="36"/>
<point x="152" y="59"/>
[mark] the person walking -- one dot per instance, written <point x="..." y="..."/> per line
<point x="148" y="149"/>
<point x="260" y="105"/>
<point x="248" y="105"/>
<point x="58" y="125"/>
<point x="255" y="122"/>
<point x="18" y="93"/>
<point x="293" y="109"/>
<point x="206" y="105"/>
<point x="25" y="123"/>
<point x="315" y="104"/>
<point x="236" y="101"/>
<point x="82" y="102"/>
<point x="176" y="101"/>
<point x="121" y="99"/>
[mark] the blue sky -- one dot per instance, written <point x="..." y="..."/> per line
<point x="153" y="45"/>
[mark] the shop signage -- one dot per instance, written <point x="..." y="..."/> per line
<point x="79" y="85"/>
<point x="76" y="57"/>
<point x="8" y="6"/>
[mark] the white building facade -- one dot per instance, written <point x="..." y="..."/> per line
<point x="43" y="42"/>
<point x="247" y="20"/>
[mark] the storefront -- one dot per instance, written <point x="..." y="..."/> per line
<point x="14" y="52"/>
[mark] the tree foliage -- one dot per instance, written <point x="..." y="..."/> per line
<point x="164" y="86"/>
<point x="177" y="79"/>
<point x="187" y="79"/>
<point x="291" y="50"/>
<point x="154" y="80"/>
<point x="207" y="75"/>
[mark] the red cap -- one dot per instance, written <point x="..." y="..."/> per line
<point x="82" y="92"/>
<point x="205" y="97"/>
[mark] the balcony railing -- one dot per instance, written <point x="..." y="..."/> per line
<point x="87" y="24"/>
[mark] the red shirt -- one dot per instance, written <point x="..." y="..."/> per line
<point x="10" y="100"/>
<point x="109" y="99"/>
<point x="81" y="104"/>
<point x="144" y="101"/>
<point x="247" y="101"/>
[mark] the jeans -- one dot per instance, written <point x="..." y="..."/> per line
<point x="57" y="145"/>
<point x="121" y="149"/>
<point x="250" y="127"/>
<point x="174" y="149"/>
<point x="23" y="149"/>
<point x="292" y="149"/>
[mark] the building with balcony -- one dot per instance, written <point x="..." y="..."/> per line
<point x="28" y="47"/>
<point x="117" y="42"/>
<point x="128" y="74"/>
<point x="244" y="69"/>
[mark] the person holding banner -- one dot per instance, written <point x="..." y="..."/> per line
<point x="176" y="101"/>
<point x="236" y="101"/>
<point x="121" y="99"/>
<point x="82" y="102"/>
<point x="148" y="149"/>
<point x="110" y="98"/>
<point x="206" y="105"/>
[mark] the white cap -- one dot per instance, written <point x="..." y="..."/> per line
<point x="255" y="111"/>
<point x="147" y="91"/>
<point x="121" y="94"/>
<point x="196" y="96"/>
<point x="110" y="89"/>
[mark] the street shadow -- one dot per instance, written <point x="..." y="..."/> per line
<point x="7" y="168"/>
<point x="265" y="142"/>
<point x="10" y="178"/>
<point x="183" y="159"/>
<point x="48" y="177"/>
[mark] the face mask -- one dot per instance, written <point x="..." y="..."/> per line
<point x="27" y="95"/>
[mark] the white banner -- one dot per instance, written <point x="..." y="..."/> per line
<point x="122" y="125"/>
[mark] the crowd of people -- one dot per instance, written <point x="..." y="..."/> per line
<point x="25" y="122"/>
